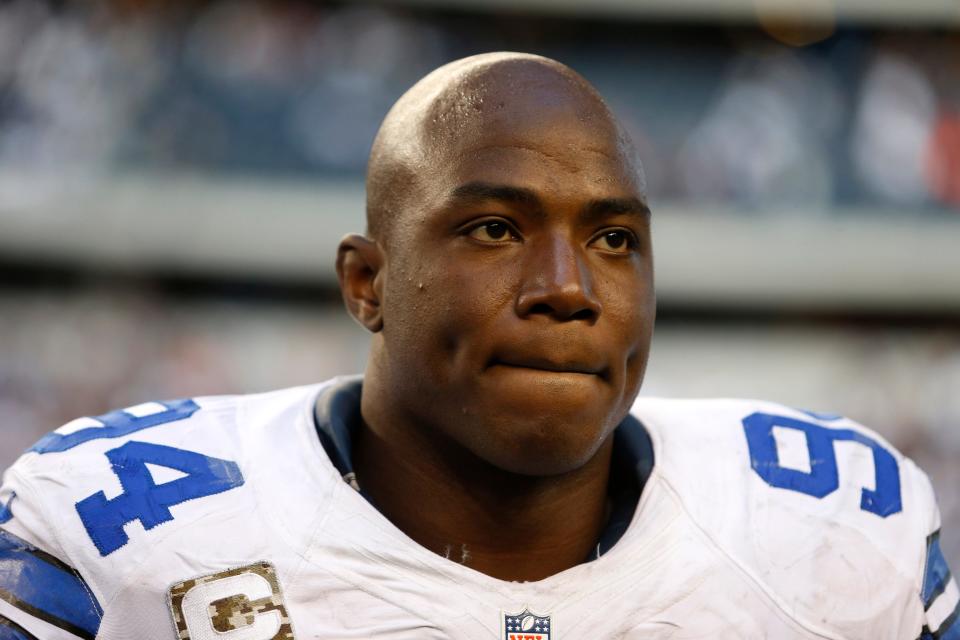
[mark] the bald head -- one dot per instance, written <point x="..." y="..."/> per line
<point x="509" y="98"/>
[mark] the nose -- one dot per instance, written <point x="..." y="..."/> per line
<point x="556" y="283"/>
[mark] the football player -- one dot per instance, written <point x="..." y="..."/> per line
<point x="492" y="476"/>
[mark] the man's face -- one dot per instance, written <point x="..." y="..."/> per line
<point x="518" y="299"/>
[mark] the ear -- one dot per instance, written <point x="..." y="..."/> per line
<point x="359" y="260"/>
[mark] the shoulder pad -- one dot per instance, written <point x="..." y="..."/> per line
<point x="95" y="486"/>
<point x="822" y="512"/>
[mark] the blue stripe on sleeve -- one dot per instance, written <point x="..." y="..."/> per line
<point x="950" y="629"/>
<point x="936" y="574"/>
<point x="44" y="587"/>
<point x="10" y="630"/>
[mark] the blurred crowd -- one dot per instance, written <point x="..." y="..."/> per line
<point x="732" y="114"/>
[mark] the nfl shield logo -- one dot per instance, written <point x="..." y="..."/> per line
<point x="526" y="626"/>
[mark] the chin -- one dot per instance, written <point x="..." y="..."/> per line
<point x="542" y="443"/>
<point x="538" y="423"/>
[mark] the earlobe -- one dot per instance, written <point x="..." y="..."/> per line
<point x="359" y="260"/>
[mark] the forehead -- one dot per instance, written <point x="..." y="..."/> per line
<point x="532" y="125"/>
<point x="549" y="159"/>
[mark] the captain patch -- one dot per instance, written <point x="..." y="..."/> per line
<point x="238" y="604"/>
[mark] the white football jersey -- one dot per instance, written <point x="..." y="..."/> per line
<point x="229" y="518"/>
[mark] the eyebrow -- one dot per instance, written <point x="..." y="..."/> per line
<point x="487" y="191"/>
<point x="594" y="210"/>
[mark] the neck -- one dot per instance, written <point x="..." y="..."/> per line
<point x="506" y="525"/>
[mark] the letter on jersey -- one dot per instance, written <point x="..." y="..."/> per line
<point x="237" y="604"/>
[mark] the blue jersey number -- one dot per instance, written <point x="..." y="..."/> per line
<point x="823" y="478"/>
<point x="143" y="499"/>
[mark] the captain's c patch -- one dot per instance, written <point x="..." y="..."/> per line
<point x="238" y="604"/>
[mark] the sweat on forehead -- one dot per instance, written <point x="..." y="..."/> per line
<point x="509" y="97"/>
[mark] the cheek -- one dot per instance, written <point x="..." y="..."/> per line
<point x="630" y="308"/>
<point x="440" y="309"/>
<point x="469" y="303"/>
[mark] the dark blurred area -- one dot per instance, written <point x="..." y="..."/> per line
<point x="174" y="178"/>
<point x="729" y="112"/>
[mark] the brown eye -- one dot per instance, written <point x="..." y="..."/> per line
<point x="616" y="241"/>
<point x="492" y="232"/>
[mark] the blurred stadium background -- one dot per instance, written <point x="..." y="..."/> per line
<point x="174" y="178"/>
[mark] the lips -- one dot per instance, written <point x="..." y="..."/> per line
<point x="552" y="364"/>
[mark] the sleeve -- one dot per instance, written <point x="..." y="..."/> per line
<point x="42" y="597"/>
<point x="941" y="600"/>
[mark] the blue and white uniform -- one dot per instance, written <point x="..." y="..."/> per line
<point x="229" y="518"/>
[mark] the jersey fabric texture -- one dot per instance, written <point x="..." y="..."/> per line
<point x="238" y="518"/>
